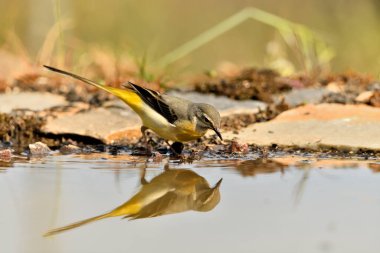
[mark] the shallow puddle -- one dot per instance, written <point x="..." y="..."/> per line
<point x="286" y="204"/>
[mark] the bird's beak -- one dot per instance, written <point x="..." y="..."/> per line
<point x="218" y="184"/>
<point x="217" y="131"/>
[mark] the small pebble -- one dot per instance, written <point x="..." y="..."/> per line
<point x="39" y="148"/>
<point x="5" y="154"/>
<point x="69" y="149"/>
<point x="237" y="147"/>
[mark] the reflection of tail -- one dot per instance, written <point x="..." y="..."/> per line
<point x="125" y="209"/>
<point x="76" y="224"/>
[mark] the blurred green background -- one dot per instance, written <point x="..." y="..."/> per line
<point x="154" y="28"/>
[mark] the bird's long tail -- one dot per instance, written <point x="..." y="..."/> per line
<point x="76" y="224"/>
<point x="127" y="95"/>
<point x="128" y="209"/>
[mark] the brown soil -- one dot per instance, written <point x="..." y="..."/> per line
<point x="19" y="127"/>
<point x="239" y="121"/>
<point x="261" y="84"/>
<point x="250" y="83"/>
<point x="351" y="84"/>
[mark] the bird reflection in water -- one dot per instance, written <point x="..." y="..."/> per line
<point x="173" y="191"/>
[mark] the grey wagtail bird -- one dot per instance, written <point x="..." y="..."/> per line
<point x="173" y="191"/>
<point x="172" y="118"/>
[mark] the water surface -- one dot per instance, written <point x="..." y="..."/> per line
<point x="286" y="204"/>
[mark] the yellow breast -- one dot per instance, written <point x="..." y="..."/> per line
<point x="186" y="131"/>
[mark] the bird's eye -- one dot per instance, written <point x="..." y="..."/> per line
<point x="205" y="119"/>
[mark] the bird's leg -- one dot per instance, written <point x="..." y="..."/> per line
<point x="143" y="181"/>
<point x="145" y="139"/>
<point x="166" y="167"/>
<point x="143" y="129"/>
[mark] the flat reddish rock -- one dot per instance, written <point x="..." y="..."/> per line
<point x="349" y="127"/>
<point x="108" y="125"/>
<point x="326" y="112"/>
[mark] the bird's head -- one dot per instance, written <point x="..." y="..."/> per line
<point x="208" y="198"/>
<point x="207" y="117"/>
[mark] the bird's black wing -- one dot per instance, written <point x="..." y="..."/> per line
<point x="154" y="100"/>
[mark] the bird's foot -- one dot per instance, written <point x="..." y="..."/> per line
<point x="176" y="148"/>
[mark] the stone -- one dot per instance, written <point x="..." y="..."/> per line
<point x="69" y="149"/>
<point x="369" y="97"/>
<point x="39" y="148"/>
<point x="113" y="125"/>
<point x="346" y="127"/>
<point x="236" y="147"/>
<point x="364" y="97"/>
<point x="35" y="101"/>
<point x="5" y="154"/>
<point x="303" y="96"/>
<point x="335" y="87"/>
